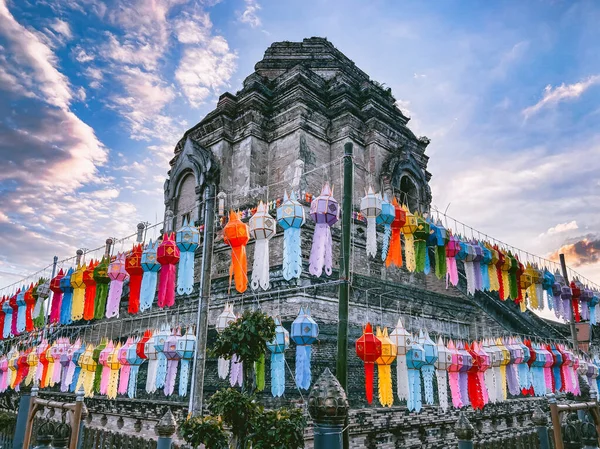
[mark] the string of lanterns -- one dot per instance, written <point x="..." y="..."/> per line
<point x="486" y="371"/>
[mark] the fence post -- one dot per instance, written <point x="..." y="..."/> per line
<point x="540" y="420"/>
<point x="328" y="408"/>
<point x="166" y="428"/>
<point x="464" y="432"/>
<point x="22" y="415"/>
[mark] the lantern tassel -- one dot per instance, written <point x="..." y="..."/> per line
<point x="114" y="299"/>
<point x="151" y="377"/>
<point x="135" y="287"/>
<point x="452" y="271"/>
<point x="477" y="276"/>
<point x="161" y="370"/>
<point x="223" y="368"/>
<point x="414" y="398"/>
<point x="55" y="308"/>
<point x="512" y="378"/>
<point x="474" y="388"/>
<point x="490" y="384"/>
<point x="321" y="251"/>
<point x="420" y="248"/>
<point x="292" y="253"/>
<point x="409" y="252"/>
<point x="184" y="377"/>
<point x="259" y="368"/>
<point x="386" y="392"/>
<point x="401" y="378"/>
<point x="485" y="277"/>
<point x="442" y="383"/>
<point x="239" y="268"/>
<point x="172" y="366"/>
<point x="277" y="374"/>
<point x="236" y="373"/>
<point x="303" y="375"/>
<point x="369" y="376"/>
<point x="39" y="313"/>
<point x="260" y="268"/>
<point x="428" y="372"/>
<point x="125" y="378"/>
<point x="372" y="236"/>
<point x="88" y="307"/>
<point x="463" y="382"/>
<point x="493" y="278"/>
<point x="503" y="391"/>
<point x="385" y="244"/>
<point x="185" y="273"/>
<point x="166" y="286"/>
<point x="100" y="300"/>
<point x="394" y="256"/>
<point x="148" y="291"/>
<point x="524" y="376"/>
<point x="427" y="269"/>
<point x="470" y="274"/>
<point x="440" y="261"/>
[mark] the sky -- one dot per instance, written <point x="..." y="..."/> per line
<point x="94" y="95"/>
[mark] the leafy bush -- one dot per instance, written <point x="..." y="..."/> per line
<point x="206" y="430"/>
<point x="278" y="429"/>
<point x="7" y="422"/>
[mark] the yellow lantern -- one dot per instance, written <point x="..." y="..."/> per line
<point x="384" y="362"/>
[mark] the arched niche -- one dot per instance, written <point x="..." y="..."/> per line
<point x="185" y="200"/>
<point x="409" y="192"/>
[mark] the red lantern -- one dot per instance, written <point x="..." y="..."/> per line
<point x="167" y="256"/>
<point x="133" y="265"/>
<point x="90" y="290"/>
<point x="56" y="297"/>
<point x="394" y="256"/>
<point x="236" y="235"/>
<point x="29" y="302"/>
<point x="576" y="294"/>
<point x="368" y="349"/>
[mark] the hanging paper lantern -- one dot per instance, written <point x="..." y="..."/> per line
<point x="236" y="375"/>
<point x="421" y="235"/>
<point x="3" y="373"/>
<point x="21" y="310"/>
<point x="152" y="355"/>
<point x="79" y="349"/>
<point x="593" y="308"/>
<point x="386" y="218"/>
<point x="117" y="274"/>
<point x="474" y="381"/>
<point x="415" y="359"/>
<point x="56" y="297"/>
<point x="388" y="355"/>
<point x="70" y="367"/>
<point x="223" y="320"/>
<point x="324" y="210"/>
<point x="368" y="349"/>
<point x="428" y="368"/>
<point x="134" y="360"/>
<point x="151" y="267"/>
<point x="469" y="265"/>
<point x="23" y="367"/>
<point x="8" y="318"/>
<point x="430" y="244"/>
<point x="484" y="363"/>
<point x="584" y="301"/>
<point x="538" y="360"/>
<point x="159" y="340"/>
<point x="512" y="371"/>
<point x="2" y="319"/>
<point x="125" y="366"/>
<point x="442" y="364"/>
<point x="39" y="312"/>
<point x="167" y="255"/>
<point x="291" y="217"/>
<point x="236" y="234"/>
<point x="13" y="357"/>
<point x="477" y="264"/>
<point x="492" y="269"/>
<point x="114" y="366"/>
<point x="557" y="380"/>
<point x="32" y="361"/>
<point x="523" y="368"/>
<point x="277" y="347"/>
<point x="105" y="373"/>
<point x="42" y="370"/>
<point x="526" y="285"/>
<point x="67" y="299"/>
<point x="394" y="256"/>
<point x="262" y="229"/>
<point x="133" y="266"/>
<point x="186" y="349"/>
<point x="304" y="333"/>
<point x="170" y="351"/>
<point x="441" y="241"/>
<point x="88" y="367"/>
<point x="547" y="285"/>
<point x="370" y="207"/>
<point x="90" y="291"/>
<point x="102" y="280"/>
<point x="453" y="370"/>
<point x="452" y="250"/>
<point x="409" y="228"/>
<point x="398" y="337"/>
<point x="12" y="301"/>
<point x="99" y="366"/>
<point x="78" y="293"/>
<point x="575" y="296"/>
<point x="463" y="376"/>
<point x="188" y="240"/>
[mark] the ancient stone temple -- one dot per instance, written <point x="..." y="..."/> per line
<point x="285" y="130"/>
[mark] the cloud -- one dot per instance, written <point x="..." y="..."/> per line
<point x="193" y="29"/>
<point x="62" y="28"/>
<point x="81" y="55"/>
<point x="554" y="95"/>
<point x="561" y="227"/>
<point x="583" y="252"/>
<point x="203" y="70"/>
<point x="250" y="14"/>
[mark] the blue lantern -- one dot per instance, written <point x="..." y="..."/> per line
<point x="67" y="301"/>
<point x="304" y="333"/>
<point x="428" y="369"/>
<point x="135" y="361"/>
<point x="277" y="348"/>
<point x="187" y="239"/>
<point x="291" y="217"/>
<point x="158" y="341"/>
<point x="75" y="361"/>
<point x="151" y="267"/>
<point x="186" y="348"/>
<point x="415" y="359"/>
<point x="386" y="218"/>
<point x="21" y="305"/>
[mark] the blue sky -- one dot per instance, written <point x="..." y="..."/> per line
<point x="94" y="94"/>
